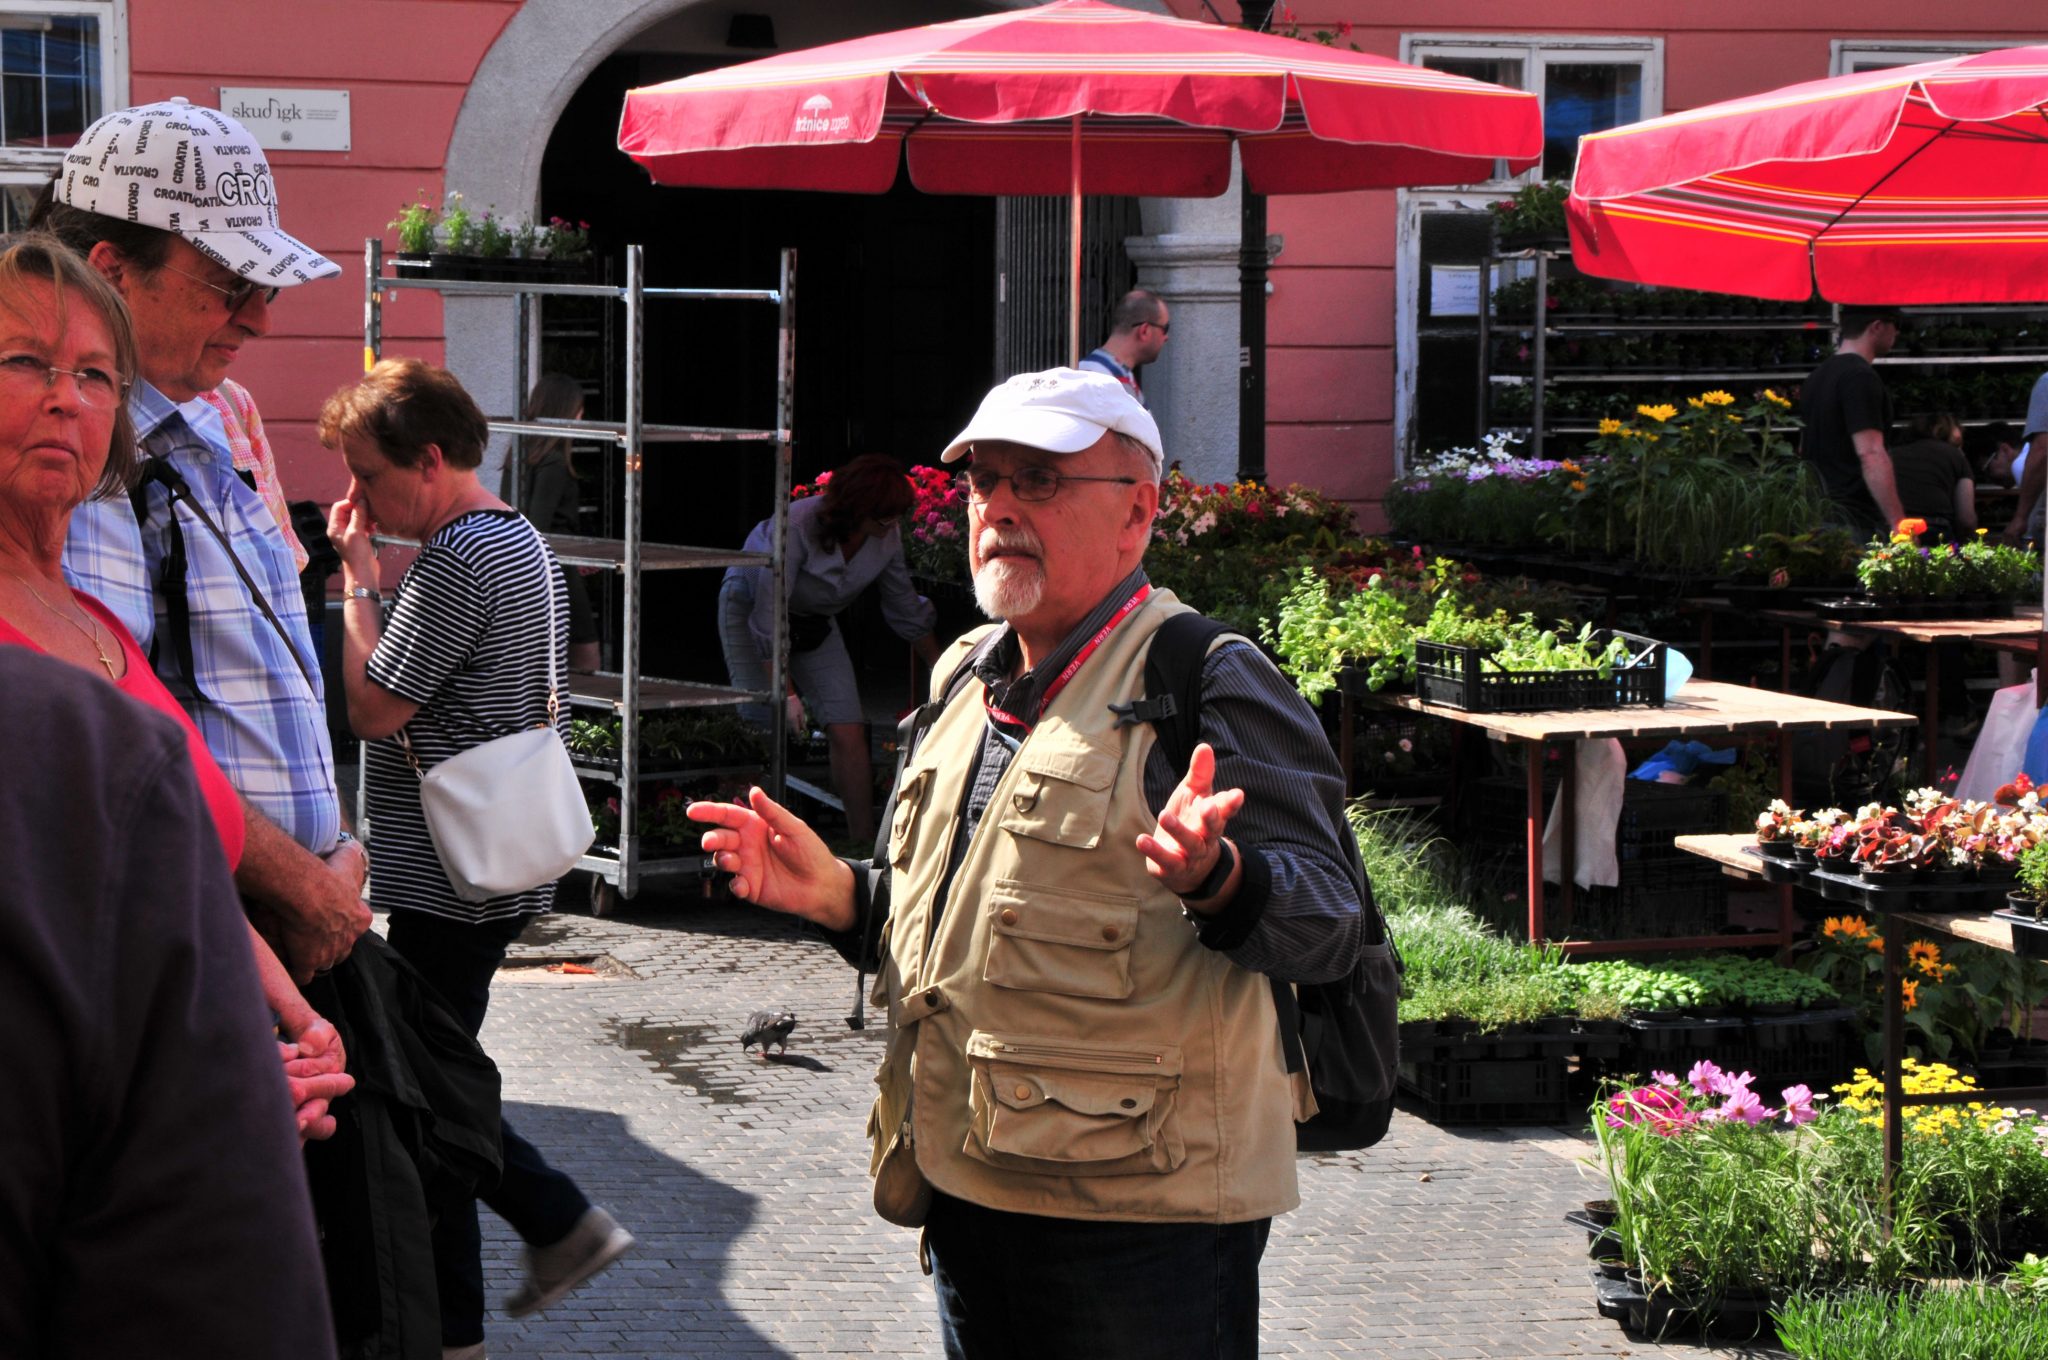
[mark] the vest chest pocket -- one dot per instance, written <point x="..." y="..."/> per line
<point x="1064" y="1108"/>
<point x="910" y="799"/>
<point x="1062" y="791"/>
<point x="1060" y="940"/>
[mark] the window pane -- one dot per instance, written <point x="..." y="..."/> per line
<point x="1583" y="98"/>
<point x="21" y="46"/>
<point x="21" y="110"/>
<point x="1447" y="359"/>
<point x="52" y="78"/>
<point x="17" y="201"/>
<point x="66" y="46"/>
<point x="1493" y="70"/>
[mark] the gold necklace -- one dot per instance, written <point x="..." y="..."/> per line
<point x="91" y="634"/>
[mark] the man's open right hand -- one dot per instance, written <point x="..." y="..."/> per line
<point x="776" y="860"/>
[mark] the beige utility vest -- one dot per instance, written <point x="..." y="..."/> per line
<point x="1061" y="1043"/>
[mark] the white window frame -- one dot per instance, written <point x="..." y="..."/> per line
<point x="1536" y="52"/>
<point x="1844" y="53"/>
<point x="35" y="165"/>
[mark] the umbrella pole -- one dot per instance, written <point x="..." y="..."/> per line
<point x="1074" y="245"/>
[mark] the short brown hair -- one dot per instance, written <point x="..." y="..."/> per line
<point x="403" y="405"/>
<point x="39" y="255"/>
<point x="872" y="486"/>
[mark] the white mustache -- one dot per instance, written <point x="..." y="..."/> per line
<point x="994" y="540"/>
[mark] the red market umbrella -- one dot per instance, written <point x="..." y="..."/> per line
<point x="1917" y="184"/>
<point x="1076" y="97"/>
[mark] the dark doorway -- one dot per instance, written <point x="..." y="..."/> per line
<point x="895" y="335"/>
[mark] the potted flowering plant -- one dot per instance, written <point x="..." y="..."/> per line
<point x="566" y="247"/>
<point x="1533" y="219"/>
<point x="1774" y="830"/>
<point x="415" y="225"/>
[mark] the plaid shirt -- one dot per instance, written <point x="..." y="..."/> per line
<point x="262" y="721"/>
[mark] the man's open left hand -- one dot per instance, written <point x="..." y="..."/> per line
<point x="1183" y="847"/>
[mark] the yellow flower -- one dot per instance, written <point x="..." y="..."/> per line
<point x="1717" y="398"/>
<point x="1774" y="399"/>
<point x="1877" y="944"/>
<point x="1651" y="438"/>
<point x="1848" y="927"/>
<point x="1910" y="989"/>
<point x="1661" y="412"/>
<point x="1569" y="466"/>
<point x="1696" y="403"/>
<point x="1982" y="532"/>
<point x="1609" y="425"/>
<point x="1578" y="484"/>
<point x="1924" y="955"/>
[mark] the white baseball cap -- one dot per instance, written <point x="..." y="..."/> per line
<point x="1062" y="410"/>
<point x="194" y="172"/>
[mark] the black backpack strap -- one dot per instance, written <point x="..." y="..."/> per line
<point x="160" y="470"/>
<point x="909" y="732"/>
<point x="170" y="582"/>
<point x="1173" y="684"/>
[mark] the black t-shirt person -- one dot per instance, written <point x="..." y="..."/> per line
<point x="1843" y="397"/>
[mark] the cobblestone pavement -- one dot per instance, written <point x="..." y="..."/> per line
<point x="745" y="1181"/>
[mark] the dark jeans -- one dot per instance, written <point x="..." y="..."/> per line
<point x="540" y="1203"/>
<point x="1017" y="1285"/>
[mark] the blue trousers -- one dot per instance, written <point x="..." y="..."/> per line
<point x="1024" y="1287"/>
<point x="540" y="1203"/>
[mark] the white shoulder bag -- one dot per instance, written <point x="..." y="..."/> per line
<point x="508" y="815"/>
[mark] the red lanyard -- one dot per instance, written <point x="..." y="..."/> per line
<point x="1060" y="681"/>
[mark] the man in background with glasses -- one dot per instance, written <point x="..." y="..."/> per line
<point x="1137" y="332"/>
<point x="1084" y="1102"/>
<point x="175" y="204"/>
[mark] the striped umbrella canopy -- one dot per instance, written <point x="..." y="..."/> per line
<point x="1076" y="97"/>
<point x="1916" y="184"/>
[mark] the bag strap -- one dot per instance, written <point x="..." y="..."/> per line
<point x="178" y="489"/>
<point x="909" y="732"/>
<point x="554" y="690"/>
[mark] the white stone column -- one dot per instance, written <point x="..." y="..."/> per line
<point x="1190" y="258"/>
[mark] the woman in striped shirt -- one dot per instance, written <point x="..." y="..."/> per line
<point x="464" y="652"/>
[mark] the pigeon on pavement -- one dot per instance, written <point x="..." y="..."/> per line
<point x="768" y="1027"/>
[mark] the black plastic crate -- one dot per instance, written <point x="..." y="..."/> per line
<point x="1675" y="1045"/>
<point x="1511" y="1091"/>
<point x="1817" y="1047"/>
<point x="1454" y="677"/>
<point x="1655" y="900"/>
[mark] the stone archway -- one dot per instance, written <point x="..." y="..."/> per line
<point x="550" y="47"/>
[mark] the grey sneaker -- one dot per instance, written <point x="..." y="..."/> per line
<point x="595" y="1242"/>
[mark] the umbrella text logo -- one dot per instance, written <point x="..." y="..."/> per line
<point x="817" y="117"/>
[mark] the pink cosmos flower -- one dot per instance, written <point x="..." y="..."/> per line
<point x="1705" y="1078"/>
<point x="1798" y="1105"/>
<point x="1745" y="1105"/>
<point x="1660" y="1110"/>
<point x="1664" y="1079"/>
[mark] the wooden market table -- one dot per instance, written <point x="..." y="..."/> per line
<point x="1703" y="708"/>
<point x="2024" y="629"/>
<point x="1737" y="855"/>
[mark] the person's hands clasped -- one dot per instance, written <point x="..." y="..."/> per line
<point x="1183" y="848"/>
<point x="313" y="1071"/>
<point x="321" y="933"/>
<point x="776" y="860"/>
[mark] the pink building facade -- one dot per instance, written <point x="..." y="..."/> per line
<point x="480" y="95"/>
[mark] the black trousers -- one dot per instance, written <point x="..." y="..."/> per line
<point x="540" y="1203"/>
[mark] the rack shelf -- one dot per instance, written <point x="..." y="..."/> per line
<point x="626" y="692"/>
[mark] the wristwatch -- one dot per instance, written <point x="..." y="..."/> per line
<point x="364" y="593"/>
<point x="1226" y="860"/>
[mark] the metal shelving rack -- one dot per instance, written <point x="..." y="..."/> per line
<point x="1542" y="373"/>
<point x="627" y="692"/>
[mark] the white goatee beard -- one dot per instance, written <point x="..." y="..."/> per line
<point x="1009" y="587"/>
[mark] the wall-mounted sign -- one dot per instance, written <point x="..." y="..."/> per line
<point x="290" y="120"/>
<point x="1453" y="290"/>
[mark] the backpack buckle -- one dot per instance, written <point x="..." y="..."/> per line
<point x="1153" y="708"/>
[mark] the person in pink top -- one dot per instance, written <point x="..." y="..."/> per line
<point x="67" y="355"/>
